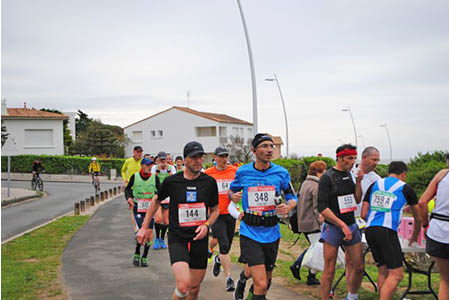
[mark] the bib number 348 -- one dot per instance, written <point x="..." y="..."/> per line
<point x="191" y="214"/>
<point x="261" y="198"/>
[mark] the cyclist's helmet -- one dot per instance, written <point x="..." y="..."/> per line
<point x="94" y="159"/>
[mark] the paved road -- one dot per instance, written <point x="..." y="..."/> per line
<point x="97" y="264"/>
<point x="59" y="200"/>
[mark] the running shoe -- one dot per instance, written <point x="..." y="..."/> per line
<point x="144" y="262"/>
<point x="162" y="244"/>
<point x="240" y="289"/>
<point x="156" y="246"/>
<point x="217" y="264"/>
<point x="136" y="258"/>
<point x="295" y="270"/>
<point x="230" y="285"/>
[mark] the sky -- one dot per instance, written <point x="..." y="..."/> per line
<point x="122" y="61"/>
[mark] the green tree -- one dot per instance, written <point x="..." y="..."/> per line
<point x="81" y="123"/>
<point x="4" y="134"/>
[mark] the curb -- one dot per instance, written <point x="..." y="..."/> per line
<point x="21" y="199"/>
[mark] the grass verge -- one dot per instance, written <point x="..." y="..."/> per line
<point x="30" y="263"/>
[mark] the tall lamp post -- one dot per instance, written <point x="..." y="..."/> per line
<point x="252" y="71"/>
<point x="389" y="138"/>
<point x="284" y="110"/>
<point x="353" y="122"/>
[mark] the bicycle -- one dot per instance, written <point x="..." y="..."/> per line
<point x="95" y="183"/>
<point x="36" y="182"/>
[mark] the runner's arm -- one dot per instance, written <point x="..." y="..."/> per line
<point x="202" y="230"/>
<point x="366" y="203"/>
<point x="429" y="193"/>
<point x="358" y="188"/>
<point x="128" y="189"/>
<point x="142" y="233"/>
<point x="124" y="172"/>
<point x="411" y="199"/>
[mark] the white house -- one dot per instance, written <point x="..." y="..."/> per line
<point x="171" y="129"/>
<point x="33" y="131"/>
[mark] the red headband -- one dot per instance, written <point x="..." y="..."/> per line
<point x="346" y="152"/>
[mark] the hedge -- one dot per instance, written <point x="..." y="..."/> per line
<point x="60" y="164"/>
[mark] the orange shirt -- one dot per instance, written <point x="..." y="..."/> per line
<point x="224" y="179"/>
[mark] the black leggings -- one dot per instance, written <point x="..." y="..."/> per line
<point x="223" y="230"/>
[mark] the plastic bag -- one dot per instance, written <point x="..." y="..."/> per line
<point x="314" y="258"/>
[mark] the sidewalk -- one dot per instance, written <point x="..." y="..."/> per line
<point x="59" y="177"/>
<point x="17" y="195"/>
<point x="97" y="264"/>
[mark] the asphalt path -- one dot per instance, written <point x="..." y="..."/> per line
<point x="60" y="198"/>
<point x="97" y="264"/>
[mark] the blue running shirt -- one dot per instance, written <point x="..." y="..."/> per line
<point x="248" y="179"/>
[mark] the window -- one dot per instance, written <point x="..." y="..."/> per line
<point x="38" y="138"/>
<point x="160" y="133"/>
<point x="222" y="131"/>
<point x="137" y="136"/>
<point x="249" y="132"/>
<point x="241" y="132"/>
<point x="206" y="131"/>
<point x="152" y="134"/>
<point x="235" y="131"/>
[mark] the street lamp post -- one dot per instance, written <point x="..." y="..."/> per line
<point x="353" y="122"/>
<point x="252" y="71"/>
<point x="284" y="110"/>
<point x="389" y="138"/>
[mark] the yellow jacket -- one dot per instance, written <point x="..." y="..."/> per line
<point x="130" y="167"/>
<point x="94" y="167"/>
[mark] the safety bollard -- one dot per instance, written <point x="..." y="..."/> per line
<point x="110" y="193"/>
<point x="114" y="191"/>
<point x="97" y="198"/>
<point x="82" y="206"/>
<point x="77" y="209"/>
<point x="102" y="196"/>
<point x="106" y="195"/>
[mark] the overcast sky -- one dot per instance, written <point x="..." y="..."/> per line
<point x="122" y="61"/>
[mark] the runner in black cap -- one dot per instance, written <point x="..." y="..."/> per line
<point x="193" y="208"/>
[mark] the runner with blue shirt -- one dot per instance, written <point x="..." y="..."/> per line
<point x="382" y="208"/>
<point x="260" y="184"/>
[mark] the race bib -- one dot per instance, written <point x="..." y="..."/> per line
<point x="223" y="185"/>
<point x="382" y="201"/>
<point x="191" y="214"/>
<point x="360" y="222"/>
<point x="261" y="198"/>
<point x="347" y="203"/>
<point x="143" y="205"/>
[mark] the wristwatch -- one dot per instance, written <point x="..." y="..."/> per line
<point x="207" y="224"/>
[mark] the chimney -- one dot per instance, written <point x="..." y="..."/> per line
<point x="24" y="105"/>
<point x="4" y="108"/>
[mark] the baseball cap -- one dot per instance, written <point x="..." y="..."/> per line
<point x="146" y="161"/>
<point x="259" y="138"/>
<point x="193" y="148"/>
<point x="162" y="155"/>
<point x="137" y="148"/>
<point x="221" y="151"/>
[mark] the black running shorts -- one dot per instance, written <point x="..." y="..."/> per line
<point x="223" y="230"/>
<point x="195" y="253"/>
<point x="385" y="247"/>
<point x="436" y="249"/>
<point x="255" y="253"/>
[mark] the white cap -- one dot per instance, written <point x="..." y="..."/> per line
<point x="94" y="158"/>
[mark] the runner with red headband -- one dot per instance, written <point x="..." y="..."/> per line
<point x="337" y="201"/>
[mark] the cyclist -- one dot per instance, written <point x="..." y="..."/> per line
<point x="260" y="184"/>
<point x="36" y="167"/>
<point x="140" y="190"/>
<point x="163" y="169"/>
<point x="223" y="229"/>
<point x="94" y="170"/>
<point x="193" y="209"/>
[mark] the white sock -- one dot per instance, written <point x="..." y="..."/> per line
<point x="229" y="277"/>
<point x="352" y="296"/>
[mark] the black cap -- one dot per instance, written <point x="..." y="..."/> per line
<point x="259" y="138"/>
<point x="221" y="151"/>
<point x="137" y="148"/>
<point x="162" y="155"/>
<point x="193" y="148"/>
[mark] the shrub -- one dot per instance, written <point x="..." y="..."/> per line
<point x="60" y="164"/>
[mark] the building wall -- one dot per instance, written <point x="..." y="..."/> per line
<point x="36" y="136"/>
<point x="178" y="128"/>
<point x="71" y="124"/>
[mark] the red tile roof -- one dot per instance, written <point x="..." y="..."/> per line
<point x="222" y="118"/>
<point x="26" y="113"/>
